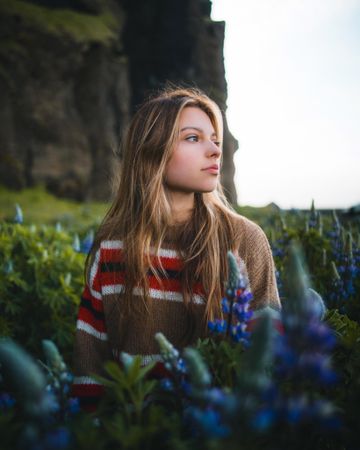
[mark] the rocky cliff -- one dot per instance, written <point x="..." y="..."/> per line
<point x="72" y="72"/>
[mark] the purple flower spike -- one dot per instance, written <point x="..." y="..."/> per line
<point x="235" y="305"/>
<point x="225" y="305"/>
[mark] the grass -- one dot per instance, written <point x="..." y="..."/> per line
<point x="40" y="207"/>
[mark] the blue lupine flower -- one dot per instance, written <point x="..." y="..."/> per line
<point x="264" y="419"/>
<point x="313" y="217"/>
<point x="279" y="283"/>
<point x="206" y="422"/>
<point x="87" y="243"/>
<point x="337" y="295"/>
<point x="345" y="272"/>
<point x="57" y="439"/>
<point x="19" y="217"/>
<point x="235" y="305"/>
<point x="76" y="243"/>
<point x="302" y="353"/>
<point x="277" y="251"/>
<point x="324" y="412"/>
<point x="186" y="387"/>
<point x="241" y="312"/>
<point x="317" y="304"/>
<point x="6" y="401"/>
<point x="59" y="382"/>
<point x="217" y="326"/>
<point x="200" y="376"/>
<point x="127" y="361"/>
<point x="296" y="409"/>
<point x="73" y="405"/>
<point x="170" y="355"/>
<point x="67" y="279"/>
<point x="225" y="305"/>
<point x="216" y="396"/>
<point x="8" y="267"/>
<point x="319" y="337"/>
<point x="58" y="227"/>
<point x="166" y="384"/>
<point x="238" y="334"/>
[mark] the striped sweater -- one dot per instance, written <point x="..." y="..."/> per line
<point x="102" y="334"/>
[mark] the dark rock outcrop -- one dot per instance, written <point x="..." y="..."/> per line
<point x="73" y="71"/>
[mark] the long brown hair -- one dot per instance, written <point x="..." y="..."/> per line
<point x="140" y="214"/>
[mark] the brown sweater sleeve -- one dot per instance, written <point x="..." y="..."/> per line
<point x="255" y="250"/>
<point x="91" y="347"/>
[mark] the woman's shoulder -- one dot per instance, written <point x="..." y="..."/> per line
<point x="249" y="238"/>
<point x="246" y="228"/>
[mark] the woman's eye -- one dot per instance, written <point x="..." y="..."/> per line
<point x="192" y="138"/>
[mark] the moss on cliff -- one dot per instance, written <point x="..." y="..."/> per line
<point x="59" y="22"/>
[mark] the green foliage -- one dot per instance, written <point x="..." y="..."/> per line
<point x="41" y="278"/>
<point x="322" y="251"/>
<point x="347" y="353"/>
<point x="80" y="27"/>
<point x="130" y="418"/>
<point x="346" y="359"/>
<point x="223" y="358"/>
<point x="347" y="330"/>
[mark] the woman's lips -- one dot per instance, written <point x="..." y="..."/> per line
<point x="212" y="169"/>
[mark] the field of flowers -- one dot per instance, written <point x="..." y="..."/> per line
<point x="264" y="389"/>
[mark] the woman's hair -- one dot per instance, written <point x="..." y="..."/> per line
<point x="140" y="214"/>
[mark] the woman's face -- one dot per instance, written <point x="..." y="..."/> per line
<point x="194" y="165"/>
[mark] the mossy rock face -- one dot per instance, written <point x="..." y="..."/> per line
<point x="81" y="27"/>
<point x="11" y="172"/>
<point x="58" y="69"/>
<point x="72" y="72"/>
<point x="88" y="6"/>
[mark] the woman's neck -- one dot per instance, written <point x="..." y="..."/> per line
<point x="182" y="205"/>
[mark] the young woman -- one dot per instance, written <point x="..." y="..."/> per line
<point x="159" y="258"/>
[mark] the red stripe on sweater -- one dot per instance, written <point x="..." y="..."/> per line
<point x="86" y="316"/>
<point x="113" y="278"/>
<point x="87" y="390"/>
<point x="175" y="263"/>
<point x="166" y="284"/>
<point x="169" y="263"/>
<point x="95" y="303"/>
<point x="110" y="255"/>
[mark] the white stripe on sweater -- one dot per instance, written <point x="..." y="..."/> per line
<point x="163" y="252"/>
<point x="153" y="293"/>
<point x="81" y="325"/>
<point x="93" y="272"/>
<point x="86" y="380"/>
<point x="112" y="245"/>
<point x="146" y="359"/>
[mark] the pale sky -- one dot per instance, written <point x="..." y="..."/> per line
<point x="293" y="74"/>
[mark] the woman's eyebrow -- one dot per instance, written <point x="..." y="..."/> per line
<point x="197" y="129"/>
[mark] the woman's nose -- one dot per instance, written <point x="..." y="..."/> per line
<point x="213" y="150"/>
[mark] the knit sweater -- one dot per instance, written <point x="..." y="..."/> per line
<point x="101" y="333"/>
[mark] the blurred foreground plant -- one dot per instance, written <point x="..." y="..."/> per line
<point x="35" y="428"/>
